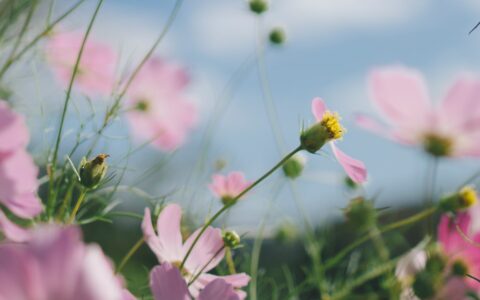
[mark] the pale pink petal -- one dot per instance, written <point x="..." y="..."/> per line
<point x="13" y="130"/>
<point x="355" y="169"/>
<point x="372" y="125"/>
<point x="236" y="280"/>
<point x="218" y="290"/>
<point x="207" y="253"/>
<point x="411" y="263"/>
<point x="318" y="108"/>
<point x="150" y="236"/>
<point x="236" y="183"/>
<point x="166" y="283"/>
<point x="126" y="295"/>
<point x="401" y="95"/>
<point x="454" y="289"/>
<point x="218" y="185"/>
<point x="169" y="232"/>
<point x="12" y="231"/>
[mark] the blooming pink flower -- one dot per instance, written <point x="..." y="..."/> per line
<point x="96" y="71"/>
<point x="354" y="168"/>
<point x="167" y="283"/>
<point x="229" y="186"/>
<point x="450" y="129"/>
<point x="18" y="173"/>
<point x="168" y="246"/>
<point x="55" y="264"/>
<point x="159" y="110"/>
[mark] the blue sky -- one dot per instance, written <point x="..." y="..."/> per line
<point x="331" y="47"/>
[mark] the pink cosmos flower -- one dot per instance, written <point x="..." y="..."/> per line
<point x="96" y="71"/>
<point x="354" y="168"/>
<point x="56" y="264"/>
<point x="450" y="129"/>
<point x="167" y="283"/>
<point x="159" y="110"/>
<point x="18" y="173"/>
<point x="168" y="246"/>
<point x="229" y="186"/>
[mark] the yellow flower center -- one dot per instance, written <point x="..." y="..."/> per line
<point x="331" y="122"/>
<point x="468" y="196"/>
<point x="183" y="271"/>
<point x="437" y="145"/>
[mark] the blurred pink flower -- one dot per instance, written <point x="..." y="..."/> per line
<point x="449" y="129"/>
<point x="56" y="264"/>
<point x="354" y="168"/>
<point x="96" y="71"/>
<point x="18" y="173"/>
<point x="228" y="186"/>
<point x="168" y="246"/>
<point x="167" y="283"/>
<point x="158" y="109"/>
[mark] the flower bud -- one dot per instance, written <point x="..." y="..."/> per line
<point x="459" y="268"/>
<point x="463" y="199"/>
<point x="258" y="6"/>
<point x="361" y="213"/>
<point x="314" y="138"/>
<point x="277" y="36"/>
<point x="293" y="167"/>
<point x="231" y="239"/>
<point x="93" y="171"/>
<point x="423" y="285"/>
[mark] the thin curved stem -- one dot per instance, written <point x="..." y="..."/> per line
<point x="129" y="255"/>
<point x="79" y="203"/>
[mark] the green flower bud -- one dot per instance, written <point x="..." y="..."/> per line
<point x="314" y="138"/>
<point x="277" y="36"/>
<point x="349" y="183"/>
<point x="286" y="233"/>
<point x="459" y="268"/>
<point x="293" y="167"/>
<point x="361" y="213"/>
<point x="93" y="171"/>
<point x="231" y="239"/>
<point x="258" y="6"/>
<point x="463" y="199"/>
<point x="423" y="285"/>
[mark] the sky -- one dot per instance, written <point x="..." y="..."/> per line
<point x="331" y="47"/>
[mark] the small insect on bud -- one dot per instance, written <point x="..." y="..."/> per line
<point x="293" y="167"/>
<point x="258" y="6"/>
<point x="277" y="36"/>
<point x="361" y="213"/>
<point x="461" y="200"/>
<point x="231" y="239"/>
<point x="93" y="171"/>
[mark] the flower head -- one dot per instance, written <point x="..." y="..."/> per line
<point x="56" y="264"/>
<point x="18" y="173"/>
<point x="96" y="69"/>
<point x="168" y="246"/>
<point x="450" y="129"/>
<point x="327" y="129"/>
<point x="227" y="187"/>
<point x="159" y="110"/>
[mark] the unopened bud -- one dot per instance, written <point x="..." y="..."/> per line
<point x="463" y="199"/>
<point x="258" y="6"/>
<point x="293" y="167"/>
<point x="361" y="213"/>
<point x="231" y="239"/>
<point x="277" y="36"/>
<point x="314" y="138"/>
<point x="423" y="285"/>
<point x="93" y="171"/>
<point x="459" y="268"/>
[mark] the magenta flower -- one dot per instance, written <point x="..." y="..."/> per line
<point x="96" y="71"/>
<point x="449" y="129"/>
<point x="227" y="187"/>
<point x="167" y="283"/>
<point x="329" y="121"/>
<point x="168" y="246"/>
<point x="18" y="173"/>
<point x="56" y="264"/>
<point x="159" y="110"/>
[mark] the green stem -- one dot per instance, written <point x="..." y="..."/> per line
<point x="129" y="255"/>
<point x="410" y="220"/>
<point x="226" y="207"/>
<point x="79" y="203"/>
<point x="230" y="262"/>
<point x="51" y="198"/>
<point x="66" y="201"/>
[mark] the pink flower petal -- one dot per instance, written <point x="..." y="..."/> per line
<point x="12" y="231"/>
<point x="370" y="124"/>
<point x="166" y="283"/>
<point x="218" y="289"/>
<point x="207" y="253"/>
<point x="401" y="95"/>
<point x="318" y="108"/>
<point x="169" y="232"/>
<point x="13" y="130"/>
<point x="355" y="169"/>
<point x="126" y="295"/>
<point x="150" y="236"/>
<point x="218" y="185"/>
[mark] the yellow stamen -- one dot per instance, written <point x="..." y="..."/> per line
<point x="468" y="196"/>
<point x="331" y="122"/>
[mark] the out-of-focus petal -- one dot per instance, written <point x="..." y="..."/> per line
<point x="151" y="237"/>
<point x="169" y="233"/>
<point x="354" y="168"/>
<point x="218" y="289"/>
<point x="318" y="108"/>
<point x="166" y="283"/>
<point x="13" y="130"/>
<point x="12" y="231"/>
<point x="208" y="251"/>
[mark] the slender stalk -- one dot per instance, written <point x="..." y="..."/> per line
<point x="226" y="207"/>
<point x="230" y="262"/>
<point x="51" y="198"/>
<point x="79" y="203"/>
<point x="129" y="255"/>
<point x="431" y="179"/>
<point x="20" y="36"/>
<point x="410" y="220"/>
